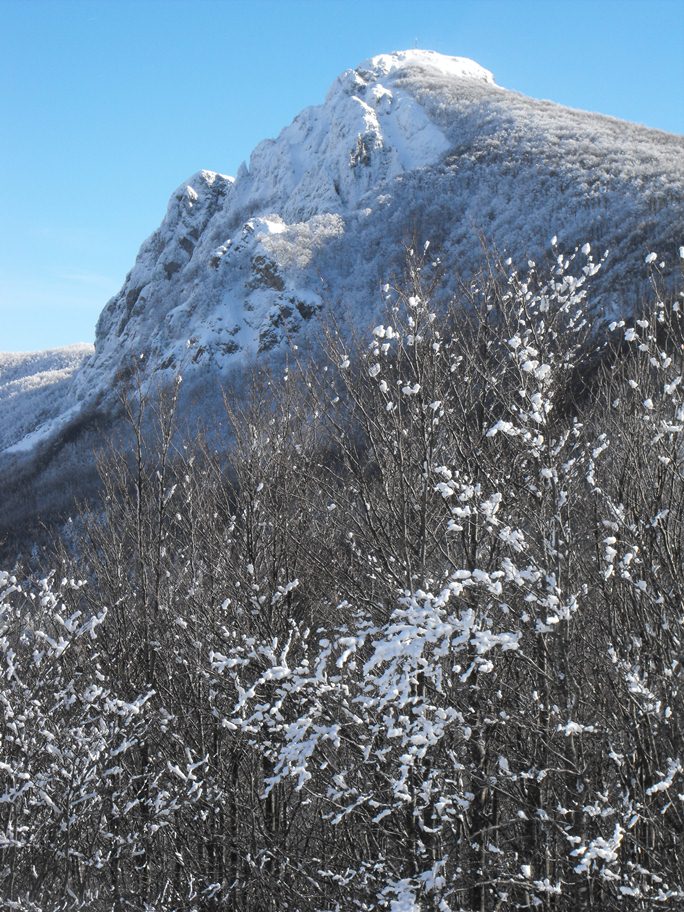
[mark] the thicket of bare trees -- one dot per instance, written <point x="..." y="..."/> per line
<point x="413" y="644"/>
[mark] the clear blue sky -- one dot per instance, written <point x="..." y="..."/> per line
<point x="107" y="105"/>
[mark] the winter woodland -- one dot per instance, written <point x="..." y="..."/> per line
<point x="408" y="636"/>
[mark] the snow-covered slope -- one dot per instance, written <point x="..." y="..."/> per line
<point x="406" y="147"/>
<point x="34" y="392"/>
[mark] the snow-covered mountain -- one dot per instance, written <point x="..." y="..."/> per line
<point x="407" y="143"/>
<point x="409" y="146"/>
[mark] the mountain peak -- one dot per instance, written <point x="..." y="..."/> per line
<point x="414" y="58"/>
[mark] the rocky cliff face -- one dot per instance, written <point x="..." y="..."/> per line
<point x="407" y="147"/>
<point x="239" y="263"/>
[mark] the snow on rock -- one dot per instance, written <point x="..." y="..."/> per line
<point x="228" y="270"/>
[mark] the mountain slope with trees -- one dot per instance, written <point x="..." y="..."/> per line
<point x="407" y="147"/>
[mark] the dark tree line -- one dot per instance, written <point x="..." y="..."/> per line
<point x="411" y="641"/>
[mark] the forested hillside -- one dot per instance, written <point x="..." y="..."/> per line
<point x="411" y="641"/>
